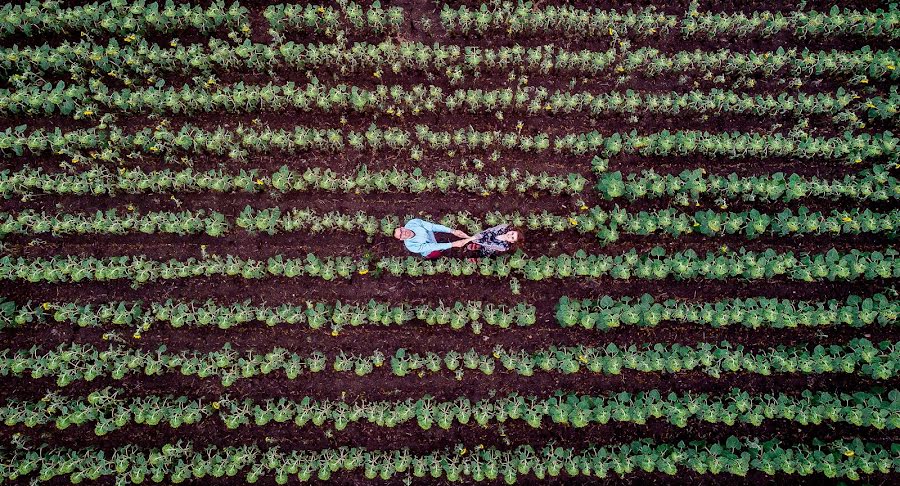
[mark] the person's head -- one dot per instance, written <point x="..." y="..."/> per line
<point x="402" y="233"/>
<point x="512" y="236"/>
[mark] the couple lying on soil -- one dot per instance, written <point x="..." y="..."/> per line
<point x="418" y="237"/>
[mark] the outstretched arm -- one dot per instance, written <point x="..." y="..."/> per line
<point x="439" y="228"/>
<point x="426" y="248"/>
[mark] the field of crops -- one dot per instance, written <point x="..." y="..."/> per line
<point x="200" y="282"/>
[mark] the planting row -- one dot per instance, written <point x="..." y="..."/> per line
<point x="689" y="185"/>
<point x="876" y="184"/>
<point x="645" y="311"/>
<point x="181" y="462"/>
<point x="652" y="265"/>
<point x="315" y="315"/>
<point x="517" y="19"/>
<point x="149" y="60"/>
<point x="330" y="21"/>
<point x="84" y="362"/>
<point x="239" y="142"/>
<point x="80" y="100"/>
<point x="98" y="180"/>
<point x="604" y="313"/>
<point x="118" y="17"/>
<point x="111" y="409"/>
<point x="609" y="223"/>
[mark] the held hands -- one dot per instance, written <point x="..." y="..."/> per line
<point x="463" y="242"/>
<point x="459" y="234"/>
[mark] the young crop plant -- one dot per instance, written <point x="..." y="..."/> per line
<point x="99" y="180"/>
<point x="874" y="184"/>
<point x="879" y="23"/>
<point x="111" y="409"/>
<point x="201" y="202"/>
<point x="525" y="19"/>
<point x="315" y="315"/>
<point x="183" y="460"/>
<point x="119" y="17"/>
<point x="330" y="21"/>
<point x="139" y="60"/>
<point x="653" y="265"/>
<point x="607" y="312"/>
<point x="69" y="363"/>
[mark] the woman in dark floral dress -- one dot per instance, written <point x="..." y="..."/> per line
<point x="495" y="240"/>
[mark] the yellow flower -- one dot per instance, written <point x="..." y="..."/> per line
<point x="88" y="112"/>
<point x="136" y="335"/>
<point x="154" y="149"/>
<point x="864" y="80"/>
<point x="485" y="193"/>
<point x="377" y="74"/>
<point x="724" y="249"/>
<point x="620" y="69"/>
<point x="573" y="221"/>
<point x="343" y="121"/>
<point x="849" y="453"/>
<point x="334" y="332"/>
<point x="173" y="43"/>
<point x="462" y="451"/>
<point x="858" y="160"/>
<point x="46" y="305"/>
<point x="582" y="358"/>
<point x="130" y="207"/>
<point x="480" y="447"/>
<point x="259" y="182"/>
<point x="245" y="29"/>
<point x="215" y="405"/>
<point x="364" y="271"/>
<point x="870" y="105"/>
<point x="847" y="219"/>
<point x="519" y="125"/>
<point x="106" y="337"/>
<point x="584" y="207"/>
<point x="496" y="355"/>
<point x="611" y="31"/>
<point x="891" y="67"/>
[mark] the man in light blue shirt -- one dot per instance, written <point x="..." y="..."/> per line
<point x="418" y="237"/>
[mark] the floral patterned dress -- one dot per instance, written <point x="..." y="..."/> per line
<point x="488" y="244"/>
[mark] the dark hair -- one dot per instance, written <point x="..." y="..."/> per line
<point x="520" y="239"/>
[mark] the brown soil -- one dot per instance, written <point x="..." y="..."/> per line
<point x="417" y="336"/>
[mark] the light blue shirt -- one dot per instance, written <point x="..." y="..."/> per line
<point x="424" y="241"/>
